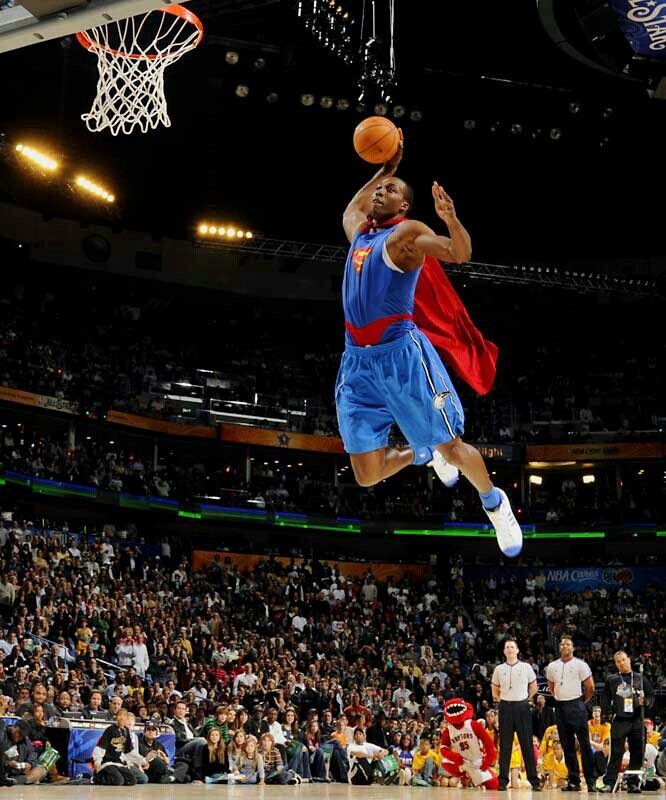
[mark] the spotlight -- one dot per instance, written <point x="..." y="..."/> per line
<point x="574" y="108"/>
<point x="399" y="111"/>
<point x="326" y="102"/>
<point x="536" y="480"/>
<point x="231" y="232"/>
<point x="242" y="90"/>
<point x="608" y="112"/>
<point x="203" y="229"/>
<point x="361" y="108"/>
<point x="494" y="127"/>
<point x="240" y="234"/>
<point x="40" y="159"/>
<point x="221" y="231"/>
<point x="272" y="98"/>
<point x="416" y="116"/>
<point x="555" y="134"/>
<point x="248" y="234"/>
<point x="588" y="478"/>
<point x="469" y="124"/>
<point x="516" y="129"/>
<point x="537" y="133"/>
<point x="232" y="57"/>
<point x="342" y="104"/>
<point x="307" y="99"/>
<point x="381" y="109"/>
<point x="212" y="230"/>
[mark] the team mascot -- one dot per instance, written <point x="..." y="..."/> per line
<point x="466" y="747"/>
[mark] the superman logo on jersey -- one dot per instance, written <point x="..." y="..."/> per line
<point x="359" y="255"/>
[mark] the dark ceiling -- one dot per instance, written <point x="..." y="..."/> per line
<point x="288" y="170"/>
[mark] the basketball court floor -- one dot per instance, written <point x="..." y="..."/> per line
<point x="306" y="792"/>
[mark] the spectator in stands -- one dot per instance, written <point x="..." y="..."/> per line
<point x="362" y="756"/>
<point x="274" y="768"/>
<point x="404" y="753"/>
<point x="109" y="766"/>
<point x="212" y="765"/>
<point x="599" y="731"/>
<point x="154" y="753"/>
<point x="542" y="716"/>
<point x="312" y="741"/>
<point x="248" y="767"/>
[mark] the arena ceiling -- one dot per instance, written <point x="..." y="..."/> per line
<point x="531" y="177"/>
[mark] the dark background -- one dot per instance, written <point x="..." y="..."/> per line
<point x="288" y="171"/>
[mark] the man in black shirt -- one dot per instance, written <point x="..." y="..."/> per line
<point x="542" y="716"/>
<point x="155" y="755"/>
<point x="626" y="695"/>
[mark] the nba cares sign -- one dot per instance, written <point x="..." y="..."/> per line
<point x="359" y="254"/>
<point x="643" y="22"/>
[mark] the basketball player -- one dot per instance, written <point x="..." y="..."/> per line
<point x="390" y="371"/>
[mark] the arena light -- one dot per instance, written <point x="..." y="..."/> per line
<point x="536" y="480"/>
<point x="210" y="231"/>
<point x="93" y="188"/>
<point x="588" y="479"/>
<point x="36" y="157"/>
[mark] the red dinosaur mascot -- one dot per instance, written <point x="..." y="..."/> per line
<point x="466" y="747"/>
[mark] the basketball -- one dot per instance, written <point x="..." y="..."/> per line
<point x="376" y="139"/>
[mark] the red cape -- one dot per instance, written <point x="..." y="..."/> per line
<point x="442" y="316"/>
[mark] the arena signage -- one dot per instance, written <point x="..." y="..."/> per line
<point x="576" y="579"/>
<point x="643" y="23"/>
<point x="603" y="451"/>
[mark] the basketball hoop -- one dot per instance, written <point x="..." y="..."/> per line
<point x="132" y="55"/>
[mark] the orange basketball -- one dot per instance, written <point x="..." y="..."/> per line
<point x="376" y="139"/>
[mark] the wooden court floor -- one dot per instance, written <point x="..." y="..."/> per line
<point x="305" y="792"/>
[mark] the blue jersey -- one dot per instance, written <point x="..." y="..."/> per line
<point x="378" y="298"/>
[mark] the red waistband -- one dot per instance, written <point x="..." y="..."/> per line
<point x="373" y="332"/>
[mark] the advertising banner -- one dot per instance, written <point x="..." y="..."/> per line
<point x="575" y="579"/>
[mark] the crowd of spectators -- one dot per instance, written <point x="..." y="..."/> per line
<point x="117" y="465"/>
<point x="301" y="652"/>
<point x="109" y="347"/>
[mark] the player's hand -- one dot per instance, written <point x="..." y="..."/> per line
<point x="443" y="204"/>
<point x="391" y="165"/>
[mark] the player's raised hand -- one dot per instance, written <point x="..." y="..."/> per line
<point x="443" y="204"/>
<point x="391" y="165"/>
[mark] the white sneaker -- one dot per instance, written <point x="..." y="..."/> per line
<point x="447" y="473"/>
<point x="509" y="534"/>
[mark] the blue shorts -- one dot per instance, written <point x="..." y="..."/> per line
<point x="403" y="381"/>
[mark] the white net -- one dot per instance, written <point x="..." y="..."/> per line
<point x="132" y="55"/>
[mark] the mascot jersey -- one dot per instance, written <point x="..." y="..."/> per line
<point x="467" y="749"/>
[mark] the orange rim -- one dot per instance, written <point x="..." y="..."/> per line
<point x="177" y="11"/>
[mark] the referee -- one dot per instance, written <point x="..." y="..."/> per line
<point x="514" y="684"/>
<point x="572" y="685"/>
<point x="626" y="696"/>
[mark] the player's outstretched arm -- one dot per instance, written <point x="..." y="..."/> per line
<point x="459" y="242"/>
<point x="419" y="240"/>
<point x="358" y="209"/>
